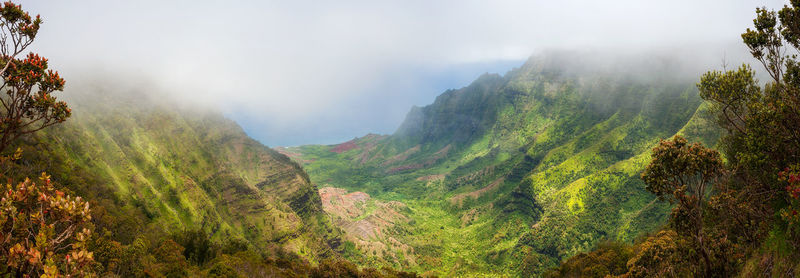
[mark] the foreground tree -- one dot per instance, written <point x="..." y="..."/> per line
<point x="42" y="231"/>
<point x="762" y="148"/>
<point x="743" y="216"/>
<point x="27" y="102"/>
<point x="684" y="174"/>
<point x="763" y="122"/>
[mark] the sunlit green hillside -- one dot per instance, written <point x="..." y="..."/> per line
<point x="514" y="173"/>
<point x="156" y="170"/>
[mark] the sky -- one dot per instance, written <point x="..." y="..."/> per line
<point x="323" y="72"/>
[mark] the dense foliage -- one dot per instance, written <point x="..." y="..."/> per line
<point x="147" y="171"/>
<point x="685" y="173"/>
<point x="28" y="103"/>
<point x="42" y="231"/>
<point x="508" y="176"/>
<point x="218" y="219"/>
<point x="512" y="174"/>
<point x="749" y="205"/>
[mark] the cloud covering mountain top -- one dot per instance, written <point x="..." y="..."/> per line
<point x="298" y="72"/>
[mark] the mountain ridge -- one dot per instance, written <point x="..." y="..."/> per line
<point x="525" y="153"/>
<point x="176" y="169"/>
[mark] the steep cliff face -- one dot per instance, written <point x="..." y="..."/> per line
<point x="513" y="173"/>
<point x="183" y="169"/>
<point x="456" y="117"/>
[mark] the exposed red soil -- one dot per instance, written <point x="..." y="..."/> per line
<point x="431" y="178"/>
<point x="402" y="156"/>
<point x="293" y="155"/>
<point x="428" y="162"/>
<point x="459" y="198"/>
<point x="405" y="167"/>
<point x="369" y="230"/>
<point x="472" y="177"/>
<point x="443" y="152"/>
<point x="346" y="146"/>
<point x="338" y="202"/>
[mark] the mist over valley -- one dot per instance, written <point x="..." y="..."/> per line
<point x="400" y="139"/>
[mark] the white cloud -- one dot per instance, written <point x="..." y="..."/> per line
<point x="322" y="71"/>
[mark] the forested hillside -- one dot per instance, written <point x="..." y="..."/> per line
<point x="514" y="173"/>
<point x="578" y="163"/>
<point x="735" y="211"/>
<point x="176" y="191"/>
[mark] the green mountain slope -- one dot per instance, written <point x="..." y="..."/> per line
<point x="513" y="173"/>
<point x="155" y="169"/>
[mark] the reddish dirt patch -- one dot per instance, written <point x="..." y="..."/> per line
<point x="367" y="222"/>
<point x="431" y="178"/>
<point x="458" y="199"/>
<point x="470" y="216"/>
<point x="403" y="156"/>
<point x="367" y="145"/>
<point x="443" y="152"/>
<point x="428" y="162"/>
<point x="346" y="146"/>
<point x="405" y="167"/>
<point x="365" y="153"/>
<point x="474" y="176"/>
<point x="338" y="202"/>
<point x="293" y="155"/>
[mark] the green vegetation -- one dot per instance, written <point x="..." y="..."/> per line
<point x="554" y="169"/>
<point x="28" y="104"/>
<point x="180" y="193"/>
<point x="512" y="174"/>
<point x="44" y="232"/>
<point x="738" y="217"/>
<point x="183" y="170"/>
<point x="149" y="171"/>
<point x="165" y="191"/>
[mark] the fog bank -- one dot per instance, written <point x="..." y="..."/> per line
<point x="300" y="72"/>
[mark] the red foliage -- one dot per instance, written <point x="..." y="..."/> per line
<point x="27" y="83"/>
<point x="791" y="175"/>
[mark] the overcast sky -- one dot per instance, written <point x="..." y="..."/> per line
<point x="300" y="72"/>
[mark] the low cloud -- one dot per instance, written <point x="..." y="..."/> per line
<point x="298" y="72"/>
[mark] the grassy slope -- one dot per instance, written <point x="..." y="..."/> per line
<point x="184" y="170"/>
<point x="511" y="174"/>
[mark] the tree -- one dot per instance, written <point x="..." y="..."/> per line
<point x="660" y="255"/>
<point x="198" y="247"/>
<point x="750" y="205"/>
<point x="43" y="232"/>
<point x="685" y="173"/>
<point x="608" y="258"/>
<point x="762" y="144"/>
<point x="27" y="103"/>
<point x="171" y="262"/>
<point x="762" y="148"/>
